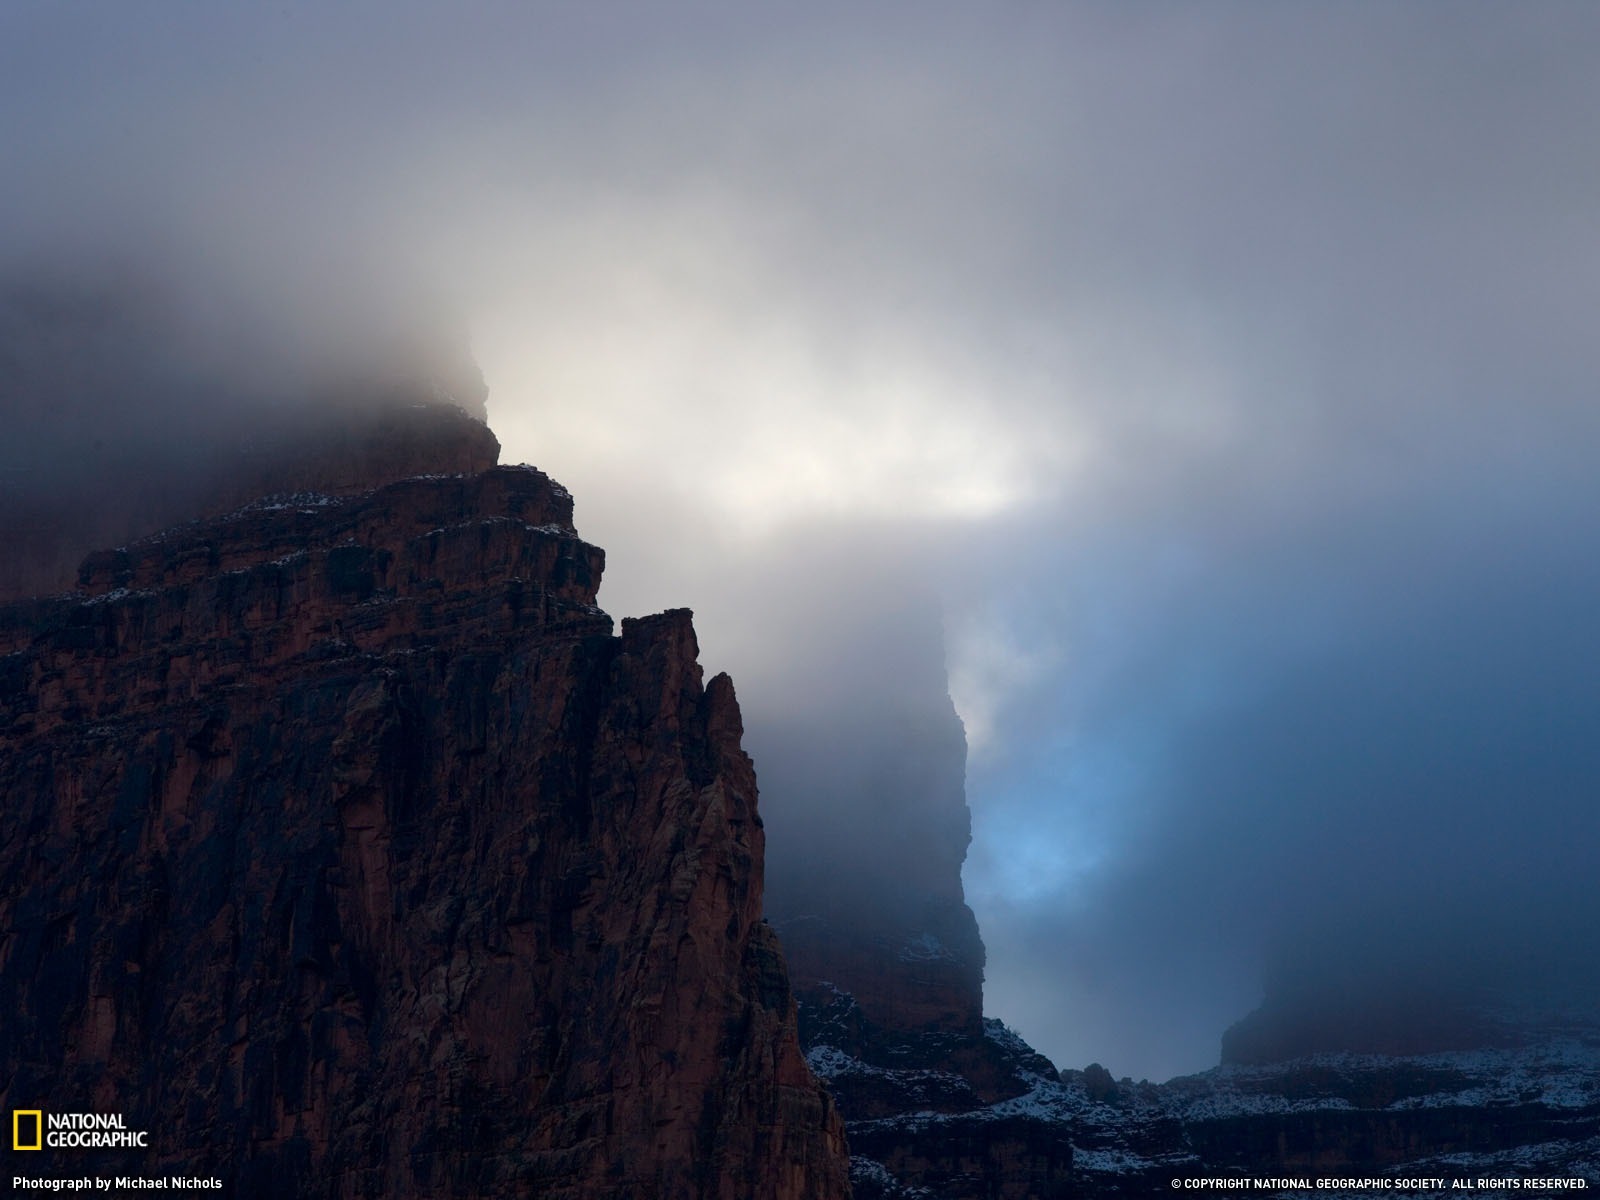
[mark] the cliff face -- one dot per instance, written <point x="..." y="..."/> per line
<point x="349" y="853"/>
<point x="1527" y="1113"/>
<point x="873" y="905"/>
<point x="934" y="1118"/>
<point x="886" y="957"/>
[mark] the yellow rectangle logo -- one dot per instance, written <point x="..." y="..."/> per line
<point x="27" y="1129"/>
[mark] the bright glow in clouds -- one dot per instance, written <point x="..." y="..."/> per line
<point x="989" y="664"/>
<point x="671" y="351"/>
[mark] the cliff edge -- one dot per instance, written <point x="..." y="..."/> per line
<point x="349" y="853"/>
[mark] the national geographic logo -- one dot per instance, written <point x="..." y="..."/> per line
<point x="32" y="1130"/>
<point x="27" y="1129"/>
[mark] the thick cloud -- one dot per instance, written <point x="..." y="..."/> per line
<point x="1225" y="369"/>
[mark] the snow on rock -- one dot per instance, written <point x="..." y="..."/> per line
<point x="1128" y="1138"/>
<point x="304" y="501"/>
<point x="925" y="947"/>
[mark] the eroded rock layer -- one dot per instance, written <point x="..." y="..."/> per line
<point x="349" y="853"/>
<point x="931" y="1121"/>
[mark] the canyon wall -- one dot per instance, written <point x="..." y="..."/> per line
<point x="348" y="852"/>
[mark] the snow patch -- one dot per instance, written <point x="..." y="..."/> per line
<point x="111" y="597"/>
<point x="304" y="501"/>
<point x="925" y="948"/>
<point x="829" y="1062"/>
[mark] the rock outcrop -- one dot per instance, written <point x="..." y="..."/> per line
<point x="885" y="954"/>
<point x="348" y="852"/>
<point x="874" y="906"/>
<point x="945" y="1116"/>
<point x="920" y="1130"/>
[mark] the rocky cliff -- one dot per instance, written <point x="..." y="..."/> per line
<point x="866" y="892"/>
<point x="879" y="911"/>
<point x="349" y="852"/>
<point x="921" y="1131"/>
<point x="885" y="953"/>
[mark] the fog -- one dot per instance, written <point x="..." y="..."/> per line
<point x="1212" y="384"/>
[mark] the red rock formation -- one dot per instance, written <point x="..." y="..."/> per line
<point x="350" y="854"/>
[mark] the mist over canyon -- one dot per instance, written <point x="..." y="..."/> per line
<point x="1206" y="390"/>
<point x="345" y="835"/>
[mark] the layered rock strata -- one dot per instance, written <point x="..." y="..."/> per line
<point x="939" y="1116"/>
<point x="348" y="853"/>
<point x="920" y="1130"/>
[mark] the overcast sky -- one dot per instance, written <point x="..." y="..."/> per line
<point x="1225" y="374"/>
